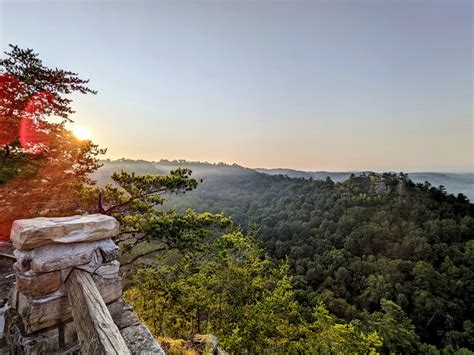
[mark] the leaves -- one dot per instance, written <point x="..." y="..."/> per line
<point x="27" y="68"/>
<point x="39" y="157"/>
<point x="232" y="290"/>
<point x="355" y="243"/>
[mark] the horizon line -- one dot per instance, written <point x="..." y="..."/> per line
<point x="461" y="171"/>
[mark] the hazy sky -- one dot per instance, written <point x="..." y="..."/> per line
<point x="314" y="85"/>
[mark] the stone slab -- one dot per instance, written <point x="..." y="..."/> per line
<point x="108" y="270"/>
<point x="126" y="317"/>
<point x="27" y="234"/>
<point x="94" y="264"/>
<point x="42" y="312"/>
<point x="13" y="297"/>
<point x="109" y="288"/>
<point x="110" y="252"/>
<point x="65" y="274"/>
<point x="38" y="284"/>
<point x="116" y="309"/>
<point x="60" y="256"/>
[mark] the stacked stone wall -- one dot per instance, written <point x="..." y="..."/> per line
<point x="38" y="316"/>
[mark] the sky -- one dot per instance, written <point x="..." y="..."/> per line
<point x="310" y="85"/>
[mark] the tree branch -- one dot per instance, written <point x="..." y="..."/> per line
<point x="136" y="257"/>
<point x="133" y="198"/>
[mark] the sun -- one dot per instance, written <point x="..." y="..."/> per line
<point x="82" y="133"/>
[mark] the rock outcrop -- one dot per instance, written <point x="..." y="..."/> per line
<point x="207" y="344"/>
<point x="38" y="316"/>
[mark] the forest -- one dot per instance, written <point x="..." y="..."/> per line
<point x="378" y="250"/>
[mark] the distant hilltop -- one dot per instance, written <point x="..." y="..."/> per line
<point x="454" y="182"/>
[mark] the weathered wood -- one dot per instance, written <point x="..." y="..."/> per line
<point x="96" y="330"/>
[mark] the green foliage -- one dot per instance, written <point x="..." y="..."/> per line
<point x="26" y="66"/>
<point x="133" y="200"/>
<point x="184" y="230"/>
<point x="394" y="327"/>
<point x="230" y="289"/>
<point x="39" y="157"/>
<point x="7" y="172"/>
<point x="391" y="259"/>
<point x="355" y="243"/>
<point x="138" y="195"/>
<point x="336" y="338"/>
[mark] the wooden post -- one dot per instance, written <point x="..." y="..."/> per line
<point x="96" y="330"/>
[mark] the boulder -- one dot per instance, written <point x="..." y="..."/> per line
<point x="139" y="340"/>
<point x="206" y="343"/>
<point x="27" y="234"/>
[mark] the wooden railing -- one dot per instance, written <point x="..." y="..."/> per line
<point x="96" y="330"/>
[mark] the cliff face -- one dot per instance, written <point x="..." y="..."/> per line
<point x="378" y="183"/>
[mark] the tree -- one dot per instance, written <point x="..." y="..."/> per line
<point x="395" y="328"/>
<point x="134" y="200"/>
<point x="336" y="338"/>
<point x="232" y="290"/>
<point x="39" y="157"/>
<point x="352" y="245"/>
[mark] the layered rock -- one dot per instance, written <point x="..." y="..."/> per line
<point x="28" y="234"/>
<point x="48" y="249"/>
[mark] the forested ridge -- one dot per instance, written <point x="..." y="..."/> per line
<point x="378" y="250"/>
<point x="356" y="243"/>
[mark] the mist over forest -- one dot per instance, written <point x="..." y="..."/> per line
<point x="454" y="182"/>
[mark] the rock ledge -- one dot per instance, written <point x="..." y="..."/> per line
<point x="28" y="234"/>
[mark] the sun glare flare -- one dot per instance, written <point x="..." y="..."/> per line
<point x="81" y="133"/>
